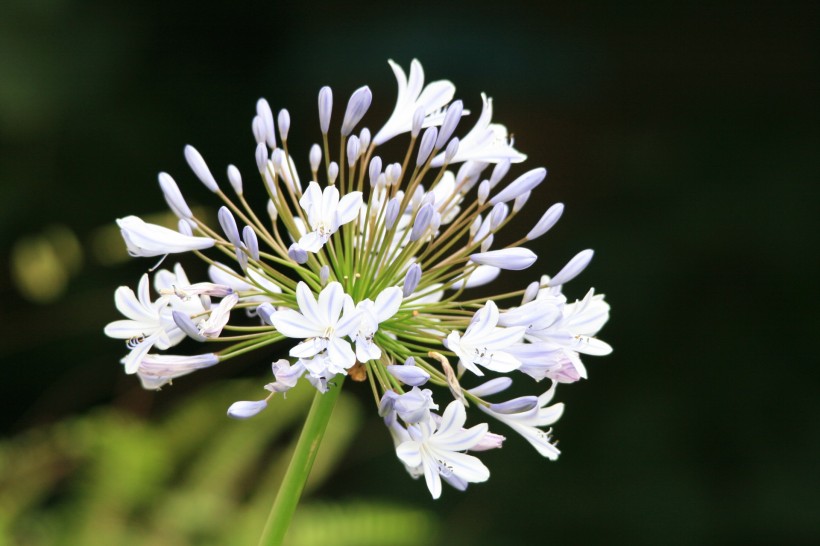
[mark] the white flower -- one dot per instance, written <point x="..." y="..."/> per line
<point x="147" y="323"/>
<point x="212" y="326"/>
<point x="526" y="422"/>
<point x="321" y="324"/>
<point x="157" y="370"/>
<point x="486" y="142"/>
<point x="411" y="98"/>
<point x="437" y="450"/>
<point x="574" y="328"/>
<point x="143" y="239"/>
<point x="371" y="314"/>
<point x="326" y="213"/>
<point x="484" y="344"/>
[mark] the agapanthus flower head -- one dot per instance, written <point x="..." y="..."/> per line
<point x="367" y="270"/>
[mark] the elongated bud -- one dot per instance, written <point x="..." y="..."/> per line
<point x="258" y="128"/>
<point x="325" y="108"/>
<point x="487" y="243"/>
<point x="297" y="254"/>
<point x="235" y="178"/>
<point x="499" y="172"/>
<point x="531" y="292"/>
<point x="498" y="215"/>
<point x="422" y="222"/>
<point x="184" y="227"/>
<point x="483" y="191"/>
<point x="546" y="222"/>
<point x="200" y="168"/>
<point x="451" y="151"/>
<point x="493" y="386"/>
<point x="409" y="373"/>
<point x="514" y="259"/>
<point x="315" y="157"/>
<point x="428" y="140"/>
<point x="184" y="322"/>
<point x="173" y="196"/>
<point x="272" y="212"/>
<point x="475" y="226"/>
<point x="520" y="201"/>
<point x="251" y="242"/>
<point x="332" y="173"/>
<point x="353" y="148"/>
<point x="245" y="409"/>
<point x="356" y="108"/>
<point x="451" y="119"/>
<point x="573" y="268"/>
<point x="261" y="156"/>
<point x="411" y="280"/>
<point x="524" y="183"/>
<point x="228" y="223"/>
<point x="266" y="115"/>
<point x="392" y="212"/>
<point x="516" y="405"/>
<point x="393" y="173"/>
<point x="284" y="124"/>
<point x="375" y="170"/>
<point x="324" y="275"/>
<point x="364" y="139"/>
<point x="418" y="121"/>
<point x="435" y="222"/>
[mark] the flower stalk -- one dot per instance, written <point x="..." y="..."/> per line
<point x="296" y="476"/>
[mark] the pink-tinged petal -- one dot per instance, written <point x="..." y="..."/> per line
<point x="292" y="324"/>
<point x="308" y="306"/>
<point x="387" y="303"/>
<point x="349" y="206"/>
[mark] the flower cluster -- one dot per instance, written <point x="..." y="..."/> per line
<point x="368" y="269"/>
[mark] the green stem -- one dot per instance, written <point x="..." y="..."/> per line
<point x="300" y="464"/>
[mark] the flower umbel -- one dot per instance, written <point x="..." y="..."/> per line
<point x="367" y="271"/>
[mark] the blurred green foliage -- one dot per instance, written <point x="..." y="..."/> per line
<point x="193" y="477"/>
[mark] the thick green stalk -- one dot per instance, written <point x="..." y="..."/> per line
<point x="300" y="464"/>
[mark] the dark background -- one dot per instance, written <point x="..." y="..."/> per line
<point x="683" y="140"/>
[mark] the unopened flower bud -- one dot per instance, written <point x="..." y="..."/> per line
<point x="200" y="168"/>
<point x="451" y="119"/>
<point x="251" y="242"/>
<point x="411" y="280"/>
<point x="315" y="157"/>
<point x="428" y="140"/>
<point x="245" y="409"/>
<point x="375" y="170"/>
<point x="266" y="115"/>
<point x="546" y="222"/>
<point x="173" y="196"/>
<point x="573" y="268"/>
<point x="356" y="108"/>
<point x="228" y="223"/>
<point x="325" y="108"/>
<point x="297" y="254"/>
<point x="235" y="178"/>
<point x="284" y="124"/>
